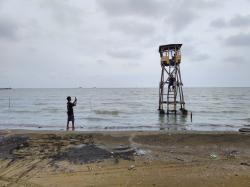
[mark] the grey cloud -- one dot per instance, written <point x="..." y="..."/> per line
<point x="131" y="64"/>
<point x="131" y="27"/>
<point x="102" y="62"/>
<point x="178" y="14"/>
<point x="152" y="7"/>
<point x="1" y="2"/>
<point x="182" y="20"/>
<point x="218" y="23"/>
<point x="201" y="4"/>
<point x="8" y="29"/>
<point x="200" y="57"/>
<point x="238" y="21"/>
<point x="235" y="59"/>
<point x="62" y="11"/>
<point x="124" y="54"/>
<point x="193" y="53"/>
<point x="183" y="13"/>
<point x="240" y="40"/>
<point x="99" y="61"/>
<point x="128" y="7"/>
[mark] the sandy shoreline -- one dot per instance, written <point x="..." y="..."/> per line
<point x="57" y="158"/>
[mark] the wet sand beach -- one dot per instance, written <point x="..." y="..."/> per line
<point x="46" y="158"/>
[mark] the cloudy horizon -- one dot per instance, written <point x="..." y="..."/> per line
<point x="114" y="43"/>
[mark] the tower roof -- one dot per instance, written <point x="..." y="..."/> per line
<point x="169" y="47"/>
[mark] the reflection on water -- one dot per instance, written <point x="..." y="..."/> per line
<point x="174" y="122"/>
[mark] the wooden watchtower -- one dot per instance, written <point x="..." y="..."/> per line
<point x="170" y="88"/>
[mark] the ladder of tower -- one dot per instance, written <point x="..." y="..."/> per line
<point x="171" y="99"/>
<point x="174" y="98"/>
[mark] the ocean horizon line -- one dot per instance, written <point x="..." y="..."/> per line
<point x="145" y="87"/>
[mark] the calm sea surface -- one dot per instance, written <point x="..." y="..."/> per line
<point x="223" y="109"/>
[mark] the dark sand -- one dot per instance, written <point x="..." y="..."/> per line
<point x="29" y="158"/>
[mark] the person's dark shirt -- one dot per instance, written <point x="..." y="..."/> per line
<point x="171" y="81"/>
<point x="70" y="111"/>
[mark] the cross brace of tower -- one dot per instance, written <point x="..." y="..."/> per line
<point x="171" y="97"/>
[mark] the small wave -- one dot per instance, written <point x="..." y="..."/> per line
<point x="229" y="112"/>
<point x="246" y="119"/>
<point x="25" y="111"/>
<point x="54" y="110"/>
<point x="129" y="127"/>
<point x="51" y="110"/>
<point x="40" y="104"/>
<point x="95" y="119"/>
<point x="206" y="111"/>
<point x="107" y="112"/>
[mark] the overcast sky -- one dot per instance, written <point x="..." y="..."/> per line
<point x="114" y="43"/>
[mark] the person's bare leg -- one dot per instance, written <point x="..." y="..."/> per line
<point x="68" y="125"/>
<point x="73" y="124"/>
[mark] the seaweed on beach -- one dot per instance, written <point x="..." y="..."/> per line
<point x="11" y="143"/>
<point x="84" y="154"/>
<point x="89" y="153"/>
<point x="75" y="148"/>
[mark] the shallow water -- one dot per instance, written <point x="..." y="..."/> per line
<point x="220" y="109"/>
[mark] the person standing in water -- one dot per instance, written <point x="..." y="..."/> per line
<point x="70" y="112"/>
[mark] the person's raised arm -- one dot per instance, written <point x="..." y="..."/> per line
<point x="75" y="101"/>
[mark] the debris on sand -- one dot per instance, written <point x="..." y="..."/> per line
<point x="131" y="167"/>
<point x="83" y="153"/>
<point x="213" y="156"/>
<point x="244" y="164"/>
<point x="142" y="152"/>
<point x="244" y="130"/>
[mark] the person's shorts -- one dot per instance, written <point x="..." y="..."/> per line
<point x="71" y="118"/>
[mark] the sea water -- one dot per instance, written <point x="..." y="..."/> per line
<point x="98" y="109"/>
